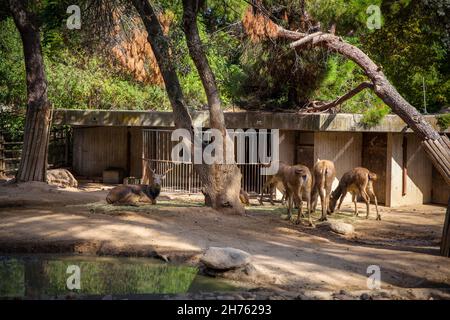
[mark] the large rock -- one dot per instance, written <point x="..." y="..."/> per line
<point x="341" y="227"/>
<point x="61" y="178"/>
<point x="225" y="258"/>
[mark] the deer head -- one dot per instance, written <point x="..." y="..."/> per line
<point x="157" y="178"/>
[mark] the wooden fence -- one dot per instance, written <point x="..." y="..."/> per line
<point x="59" y="153"/>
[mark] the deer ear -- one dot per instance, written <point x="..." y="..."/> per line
<point x="163" y="176"/>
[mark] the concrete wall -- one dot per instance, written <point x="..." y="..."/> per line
<point x="343" y="148"/>
<point x="419" y="168"/>
<point x="287" y="146"/>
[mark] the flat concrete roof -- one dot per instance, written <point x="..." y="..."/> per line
<point x="234" y="120"/>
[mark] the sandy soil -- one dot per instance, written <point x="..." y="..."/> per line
<point x="40" y="218"/>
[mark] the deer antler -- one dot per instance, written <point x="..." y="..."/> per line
<point x="148" y="165"/>
<point x="168" y="170"/>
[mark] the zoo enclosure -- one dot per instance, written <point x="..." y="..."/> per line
<point x="157" y="149"/>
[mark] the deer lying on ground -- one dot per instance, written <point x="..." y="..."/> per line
<point x="323" y="176"/>
<point x="138" y="193"/>
<point x="359" y="182"/>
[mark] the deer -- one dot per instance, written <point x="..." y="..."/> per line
<point x="297" y="181"/>
<point x="137" y="193"/>
<point x="323" y="177"/>
<point x="274" y="182"/>
<point x="359" y="182"/>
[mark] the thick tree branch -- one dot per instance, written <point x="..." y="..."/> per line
<point x="316" y="107"/>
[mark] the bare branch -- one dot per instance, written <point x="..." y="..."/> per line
<point x="305" y="39"/>
<point x="315" y="106"/>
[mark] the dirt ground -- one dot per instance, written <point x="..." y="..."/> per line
<point x="35" y="217"/>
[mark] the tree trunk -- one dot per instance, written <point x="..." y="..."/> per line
<point x="33" y="163"/>
<point x="445" y="243"/>
<point x="221" y="183"/>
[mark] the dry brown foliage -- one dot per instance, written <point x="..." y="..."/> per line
<point x="258" y="27"/>
<point x="135" y="55"/>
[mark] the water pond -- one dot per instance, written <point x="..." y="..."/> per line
<point x="53" y="276"/>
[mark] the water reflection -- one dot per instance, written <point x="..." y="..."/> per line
<point x="40" y="277"/>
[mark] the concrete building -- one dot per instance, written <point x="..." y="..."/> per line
<point x="120" y="139"/>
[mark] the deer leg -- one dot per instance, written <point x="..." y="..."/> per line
<point x="272" y="189"/>
<point x="341" y="199"/>
<point x="299" y="201"/>
<point x="372" y="194"/>
<point x="355" y="203"/>
<point x="289" y="200"/>
<point x="367" y="201"/>
<point x="308" y="208"/>
<point x="262" y="192"/>
<point x="323" y="201"/>
<point x="283" y="199"/>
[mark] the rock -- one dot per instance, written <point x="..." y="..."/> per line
<point x="341" y="227"/>
<point x="365" y="296"/>
<point x="225" y="258"/>
<point x="61" y="178"/>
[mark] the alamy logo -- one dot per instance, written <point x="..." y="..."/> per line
<point x="374" y="278"/>
<point x="208" y="147"/>
<point x="74" y="20"/>
<point x="74" y="280"/>
<point x="374" y="20"/>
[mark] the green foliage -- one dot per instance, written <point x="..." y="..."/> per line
<point x="373" y="116"/>
<point x="348" y="15"/>
<point x="12" y="66"/>
<point x="412" y="47"/>
<point x="80" y="83"/>
<point x="443" y="121"/>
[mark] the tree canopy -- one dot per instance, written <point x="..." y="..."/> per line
<point x="87" y="71"/>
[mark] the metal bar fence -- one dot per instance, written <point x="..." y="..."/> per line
<point x="157" y="148"/>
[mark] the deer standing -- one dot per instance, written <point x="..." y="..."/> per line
<point x="359" y="182"/>
<point x="297" y="181"/>
<point x="274" y="182"/>
<point x="323" y="176"/>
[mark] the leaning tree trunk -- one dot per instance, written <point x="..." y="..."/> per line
<point x="219" y="187"/>
<point x="33" y="163"/>
<point x="222" y="182"/>
<point x="445" y="244"/>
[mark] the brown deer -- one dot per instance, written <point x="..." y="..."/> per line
<point x="359" y="182"/>
<point x="323" y="176"/>
<point x="297" y="181"/>
<point x="273" y="183"/>
<point x="138" y="193"/>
